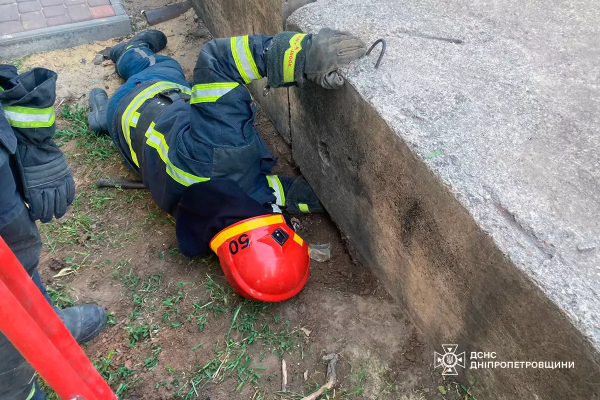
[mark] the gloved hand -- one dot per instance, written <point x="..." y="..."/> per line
<point x="329" y="50"/>
<point x="48" y="186"/>
<point x="45" y="179"/>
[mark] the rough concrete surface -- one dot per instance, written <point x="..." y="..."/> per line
<point x="466" y="173"/>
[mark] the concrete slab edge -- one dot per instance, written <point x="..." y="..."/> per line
<point x="65" y="36"/>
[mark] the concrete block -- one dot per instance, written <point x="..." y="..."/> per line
<point x="96" y="3"/>
<point x="9" y="12"/>
<point x="54" y="11"/>
<point x="9" y="27"/>
<point x="48" y="3"/>
<point x="33" y="20"/>
<point x="102" y="11"/>
<point x="29" y="6"/>
<point x="59" y="20"/>
<point x="79" y="12"/>
<point x="464" y="173"/>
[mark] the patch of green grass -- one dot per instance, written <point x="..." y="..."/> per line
<point x="59" y="293"/>
<point x="118" y="378"/>
<point x="251" y="325"/>
<point x="356" y="381"/>
<point x="170" y="306"/>
<point x="96" y="148"/>
<point x="111" y="320"/>
<point x="152" y="283"/>
<point x="140" y="332"/>
<point x="100" y="199"/>
<point x="68" y="231"/>
<point x="153" y="360"/>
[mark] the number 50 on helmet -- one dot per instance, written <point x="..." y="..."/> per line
<point x="263" y="258"/>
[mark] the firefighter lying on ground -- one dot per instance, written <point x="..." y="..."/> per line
<point x="198" y="152"/>
<point x="33" y="171"/>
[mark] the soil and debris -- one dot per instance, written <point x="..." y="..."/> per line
<point x="176" y="330"/>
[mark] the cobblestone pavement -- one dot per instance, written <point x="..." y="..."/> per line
<point x="26" y="15"/>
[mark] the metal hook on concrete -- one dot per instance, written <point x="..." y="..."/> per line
<point x="383" y="45"/>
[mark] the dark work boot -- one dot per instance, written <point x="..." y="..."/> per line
<point x="153" y="39"/>
<point x="84" y="322"/>
<point x="98" y="101"/>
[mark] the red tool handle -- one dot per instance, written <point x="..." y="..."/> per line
<point x="36" y="317"/>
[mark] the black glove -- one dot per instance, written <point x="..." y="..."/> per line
<point x="48" y="186"/>
<point x="46" y="181"/>
<point x="328" y="51"/>
<point x="300" y="198"/>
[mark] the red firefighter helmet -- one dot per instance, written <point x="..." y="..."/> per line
<point x="263" y="258"/>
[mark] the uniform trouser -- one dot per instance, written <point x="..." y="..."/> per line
<point x="17" y="380"/>
<point x="137" y="65"/>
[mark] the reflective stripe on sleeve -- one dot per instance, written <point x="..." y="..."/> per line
<point x="157" y="141"/>
<point x="27" y="117"/>
<point x="211" y="92"/>
<point x="242" y="55"/>
<point x="129" y="116"/>
<point x="289" y="59"/>
<point x="275" y="184"/>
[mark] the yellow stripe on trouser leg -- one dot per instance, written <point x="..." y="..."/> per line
<point x="289" y="59"/>
<point x="131" y="110"/>
<point x="157" y="141"/>
<point x="31" y="393"/>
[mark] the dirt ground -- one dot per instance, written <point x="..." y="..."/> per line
<point x="176" y="330"/>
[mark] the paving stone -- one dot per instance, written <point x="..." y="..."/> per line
<point x="33" y="20"/>
<point x="9" y="12"/>
<point x="10" y="27"/>
<point x="102" y="12"/>
<point x="54" y="11"/>
<point x="48" y="3"/>
<point x="4" y="2"/>
<point x="96" y="3"/>
<point x="29" y="6"/>
<point x="73" y="2"/>
<point x="79" y="12"/>
<point x="60" y="20"/>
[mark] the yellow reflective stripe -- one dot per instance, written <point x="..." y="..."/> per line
<point x="157" y="141"/>
<point x="243" y="227"/>
<point x="27" y="117"/>
<point x="275" y="184"/>
<point x="30" y="110"/>
<point x="242" y="56"/>
<point x="250" y="58"/>
<point x="298" y="239"/>
<point x="211" y="92"/>
<point x="289" y="59"/>
<point x="31" y="393"/>
<point x="134" y="120"/>
<point x="131" y="110"/>
<point x="303" y="207"/>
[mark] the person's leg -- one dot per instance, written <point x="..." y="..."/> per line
<point x="17" y="377"/>
<point x="136" y="61"/>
